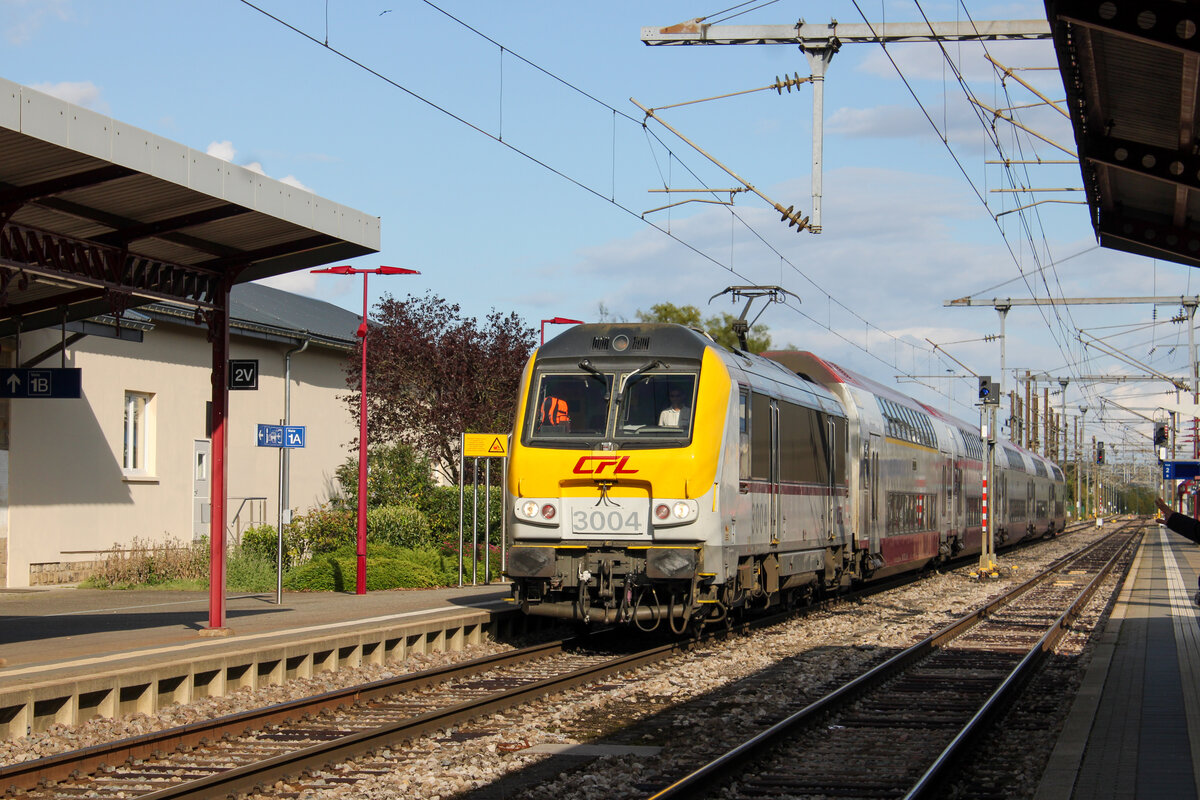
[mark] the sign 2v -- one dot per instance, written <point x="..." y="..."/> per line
<point x="243" y="374"/>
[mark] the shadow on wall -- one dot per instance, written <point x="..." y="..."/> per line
<point x="59" y="456"/>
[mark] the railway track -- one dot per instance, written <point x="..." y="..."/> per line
<point x="257" y="748"/>
<point x="900" y="729"/>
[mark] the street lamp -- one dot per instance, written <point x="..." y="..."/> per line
<point x="558" y="321"/>
<point x="361" y="583"/>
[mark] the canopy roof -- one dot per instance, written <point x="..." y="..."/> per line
<point x="1130" y="71"/>
<point x="97" y="217"/>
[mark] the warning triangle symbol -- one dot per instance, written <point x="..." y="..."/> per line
<point x="497" y="446"/>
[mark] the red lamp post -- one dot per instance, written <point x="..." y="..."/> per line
<point x="558" y="321"/>
<point x="361" y="582"/>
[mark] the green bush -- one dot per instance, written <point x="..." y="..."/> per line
<point x="260" y="541"/>
<point x="322" y="530"/>
<point x="442" y="513"/>
<point x="399" y="476"/>
<point x="387" y="568"/>
<point x="249" y="572"/>
<point x="399" y="526"/>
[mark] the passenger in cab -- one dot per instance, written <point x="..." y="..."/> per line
<point x="677" y="415"/>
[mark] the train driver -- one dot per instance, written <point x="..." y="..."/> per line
<point x="677" y="415"/>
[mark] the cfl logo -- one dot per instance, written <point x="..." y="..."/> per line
<point x="597" y="465"/>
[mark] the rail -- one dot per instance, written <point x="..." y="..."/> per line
<point x="705" y="779"/>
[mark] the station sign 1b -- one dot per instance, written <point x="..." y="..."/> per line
<point x="50" y="383"/>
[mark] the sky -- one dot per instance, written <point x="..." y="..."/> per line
<point x="501" y="147"/>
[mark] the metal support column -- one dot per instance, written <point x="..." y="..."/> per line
<point x="219" y="332"/>
<point x="819" y="54"/>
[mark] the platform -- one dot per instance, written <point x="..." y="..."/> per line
<point x="72" y="654"/>
<point x="1134" y="728"/>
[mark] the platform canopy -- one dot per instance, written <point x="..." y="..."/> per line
<point x="1130" y="71"/>
<point x="97" y="217"/>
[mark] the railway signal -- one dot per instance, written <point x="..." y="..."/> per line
<point x="989" y="392"/>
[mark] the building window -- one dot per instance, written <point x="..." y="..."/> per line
<point x="139" y="434"/>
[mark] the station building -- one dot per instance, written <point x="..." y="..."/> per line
<point x="130" y="459"/>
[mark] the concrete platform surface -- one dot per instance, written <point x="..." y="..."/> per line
<point x="51" y="629"/>
<point x="1134" y="728"/>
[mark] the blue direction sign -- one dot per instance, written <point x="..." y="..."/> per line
<point x="60" y="382"/>
<point x="1180" y="470"/>
<point x="280" y="435"/>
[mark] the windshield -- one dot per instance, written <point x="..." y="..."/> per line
<point x="658" y="406"/>
<point x="587" y="406"/>
<point x="571" y="405"/>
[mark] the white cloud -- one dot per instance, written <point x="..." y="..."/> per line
<point x="878" y="122"/>
<point x="890" y="266"/>
<point x="301" y="282"/>
<point x="929" y="62"/>
<point x="222" y="150"/>
<point x="225" y="151"/>
<point x="292" y="180"/>
<point x="23" y="18"/>
<point x="80" y="93"/>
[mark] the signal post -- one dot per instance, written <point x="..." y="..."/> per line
<point x="989" y="397"/>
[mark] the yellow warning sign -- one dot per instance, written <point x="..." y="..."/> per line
<point x="485" y="445"/>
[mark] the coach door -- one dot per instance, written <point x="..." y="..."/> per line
<point x="948" y="505"/>
<point x="776" y="512"/>
<point x="764" y="467"/>
<point x="201" y="488"/>
<point x="876" y="479"/>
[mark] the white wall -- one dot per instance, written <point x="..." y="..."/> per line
<point x="68" y="494"/>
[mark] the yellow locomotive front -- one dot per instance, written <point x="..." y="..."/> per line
<point x="613" y="473"/>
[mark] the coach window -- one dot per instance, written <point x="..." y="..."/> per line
<point x="138" y="437"/>
<point x="797" y="450"/>
<point x="760" y="437"/>
<point x="839" y="450"/>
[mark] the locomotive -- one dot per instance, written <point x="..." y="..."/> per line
<point x="658" y="476"/>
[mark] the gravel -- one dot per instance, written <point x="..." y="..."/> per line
<point x="693" y="706"/>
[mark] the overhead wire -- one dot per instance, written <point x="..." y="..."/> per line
<point x="611" y="200"/>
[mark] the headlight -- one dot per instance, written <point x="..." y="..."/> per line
<point x="670" y="512"/>
<point x="541" y="512"/>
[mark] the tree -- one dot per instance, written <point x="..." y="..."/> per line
<point x="433" y="375"/>
<point x="718" y="326"/>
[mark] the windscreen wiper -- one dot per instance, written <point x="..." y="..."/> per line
<point x="636" y="376"/>
<point x="586" y="366"/>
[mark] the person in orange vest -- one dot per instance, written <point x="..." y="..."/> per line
<point x="554" y="411"/>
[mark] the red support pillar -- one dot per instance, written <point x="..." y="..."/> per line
<point x="219" y="332"/>
<point x="360" y="584"/>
